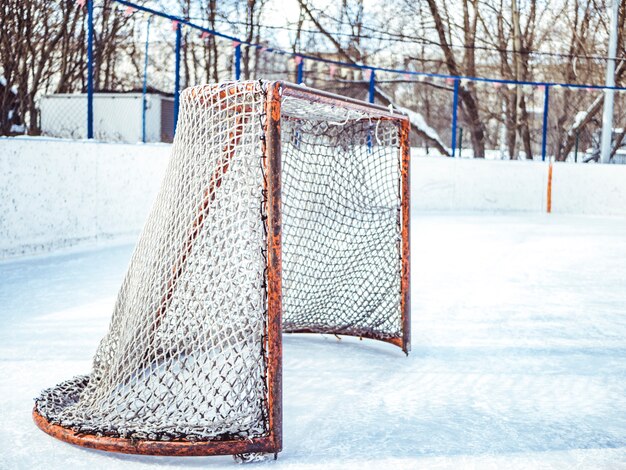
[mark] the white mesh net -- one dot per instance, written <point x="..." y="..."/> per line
<point x="341" y="222"/>
<point x="185" y="355"/>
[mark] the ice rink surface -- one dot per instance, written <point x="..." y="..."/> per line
<point x="518" y="360"/>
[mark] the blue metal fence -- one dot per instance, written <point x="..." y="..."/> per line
<point x="544" y="131"/>
<point x="90" y="69"/>
<point x="455" y="115"/>
<point x="144" y="99"/>
<point x="300" y="59"/>
<point x="179" y="36"/>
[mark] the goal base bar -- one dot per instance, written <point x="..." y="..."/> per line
<point x="265" y="444"/>
<point x="402" y="342"/>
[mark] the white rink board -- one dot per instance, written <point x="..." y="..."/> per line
<point x="598" y="190"/>
<point x="454" y="184"/>
<point x="57" y="193"/>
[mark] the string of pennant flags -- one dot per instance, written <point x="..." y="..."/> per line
<point x="334" y="65"/>
<point x="455" y="82"/>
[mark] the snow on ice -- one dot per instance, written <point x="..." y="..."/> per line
<point x="518" y="360"/>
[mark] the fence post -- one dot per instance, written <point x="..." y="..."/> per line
<point x="300" y="77"/>
<point x="237" y="61"/>
<point x="145" y="85"/>
<point x="544" y="132"/>
<point x="455" y="107"/>
<point x="372" y="90"/>
<point x="90" y="69"/>
<point x="177" y="79"/>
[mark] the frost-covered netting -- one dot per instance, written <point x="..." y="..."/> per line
<point x="341" y="221"/>
<point x="185" y="354"/>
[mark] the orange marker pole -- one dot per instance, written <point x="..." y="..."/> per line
<point x="549" y="188"/>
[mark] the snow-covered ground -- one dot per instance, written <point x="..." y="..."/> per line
<point x="518" y="361"/>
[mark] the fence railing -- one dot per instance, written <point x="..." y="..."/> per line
<point x="144" y="112"/>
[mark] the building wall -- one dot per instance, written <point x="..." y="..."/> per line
<point x="117" y="116"/>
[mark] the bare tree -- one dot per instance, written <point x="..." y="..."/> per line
<point x="32" y="41"/>
<point x="42" y="50"/>
<point x="347" y="56"/>
<point x="468" y="100"/>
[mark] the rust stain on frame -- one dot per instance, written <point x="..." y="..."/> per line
<point x="405" y="216"/>
<point x="175" y="447"/>
<point x="274" y="261"/>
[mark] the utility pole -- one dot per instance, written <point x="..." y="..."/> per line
<point x="607" y="113"/>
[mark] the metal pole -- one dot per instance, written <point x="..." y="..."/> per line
<point x="544" y="132"/>
<point x="238" y="62"/>
<point x="576" y="148"/>
<point x="460" y="142"/>
<point x="300" y="78"/>
<point x="372" y="90"/>
<point x="145" y="84"/>
<point x="90" y="69"/>
<point x="607" y="112"/>
<point x="455" y="107"/>
<point x="179" y="37"/>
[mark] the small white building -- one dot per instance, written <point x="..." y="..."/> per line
<point x="118" y="117"/>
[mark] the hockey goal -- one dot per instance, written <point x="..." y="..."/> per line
<point x="282" y="209"/>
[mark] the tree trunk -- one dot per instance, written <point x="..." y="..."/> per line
<point x="469" y="104"/>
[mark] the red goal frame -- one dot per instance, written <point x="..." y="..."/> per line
<point x="272" y="442"/>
